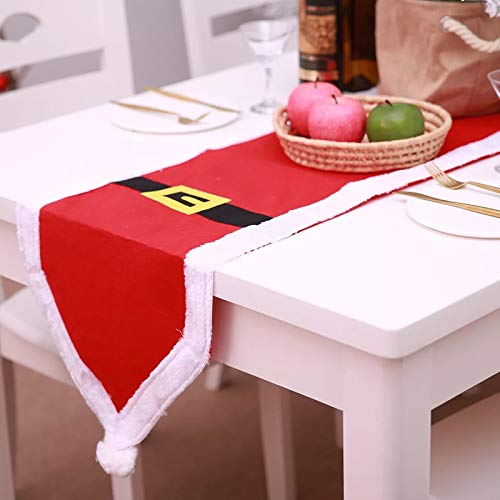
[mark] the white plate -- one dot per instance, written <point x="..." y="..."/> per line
<point x="454" y="220"/>
<point x="151" y="123"/>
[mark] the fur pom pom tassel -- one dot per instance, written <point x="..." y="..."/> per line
<point x="117" y="462"/>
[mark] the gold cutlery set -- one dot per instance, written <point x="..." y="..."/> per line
<point x="184" y="120"/>
<point x="449" y="182"/>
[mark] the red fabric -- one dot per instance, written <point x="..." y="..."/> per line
<point x="475" y="128"/>
<point x="114" y="258"/>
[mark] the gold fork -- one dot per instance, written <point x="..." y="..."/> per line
<point x="181" y="119"/>
<point x="492" y="212"/>
<point x="449" y="182"/>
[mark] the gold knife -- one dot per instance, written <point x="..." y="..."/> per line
<point x="492" y="212"/>
<point x="182" y="97"/>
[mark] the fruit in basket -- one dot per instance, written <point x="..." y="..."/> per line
<point x="337" y="119"/>
<point x="392" y="121"/>
<point x="301" y="100"/>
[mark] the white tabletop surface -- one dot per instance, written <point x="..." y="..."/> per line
<point x="372" y="278"/>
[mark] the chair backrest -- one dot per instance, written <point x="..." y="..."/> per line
<point x="65" y="28"/>
<point x="211" y="30"/>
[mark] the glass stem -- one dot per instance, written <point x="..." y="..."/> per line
<point x="268" y="97"/>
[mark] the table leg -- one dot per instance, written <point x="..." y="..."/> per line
<point x="7" y="490"/>
<point x="277" y="441"/>
<point x="131" y="487"/>
<point x="387" y="427"/>
<point x="338" y="421"/>
<point x="214" y="377"/>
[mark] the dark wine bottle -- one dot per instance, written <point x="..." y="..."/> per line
<point x="320" y="40"/>
<point x="358" y="47"/>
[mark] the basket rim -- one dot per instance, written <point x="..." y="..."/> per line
<point x="372" y="99"/>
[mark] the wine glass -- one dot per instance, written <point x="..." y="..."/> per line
<point x="267" y="38"/>
<point x="494" y="77"/>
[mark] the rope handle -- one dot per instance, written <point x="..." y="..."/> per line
<point x="471" y="39"/>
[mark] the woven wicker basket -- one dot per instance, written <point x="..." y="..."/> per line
<point x="367" y="156"/>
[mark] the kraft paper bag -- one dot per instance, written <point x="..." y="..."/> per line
<point x="418" y="59"/>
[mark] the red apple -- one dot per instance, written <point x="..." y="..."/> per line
<point x="337" y="119"/>
<point x="303" y="98"/>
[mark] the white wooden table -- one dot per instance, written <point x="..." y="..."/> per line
<point x="369" y="313"/>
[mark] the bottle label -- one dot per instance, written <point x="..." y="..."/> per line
<point x="318" y="67"/>
<point x="318" y="40"/>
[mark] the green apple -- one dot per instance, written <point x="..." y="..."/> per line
<point x="392" y="121"/>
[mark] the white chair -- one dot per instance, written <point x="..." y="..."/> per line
<point x="211" y="30"/>
<point x="64" y="29"/>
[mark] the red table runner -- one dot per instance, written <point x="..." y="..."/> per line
<point x="125" y="274"/>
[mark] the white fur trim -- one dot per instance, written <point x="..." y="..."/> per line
<point x="126" y="429"/>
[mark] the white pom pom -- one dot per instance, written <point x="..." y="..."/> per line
<point x="117" y="462"/>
